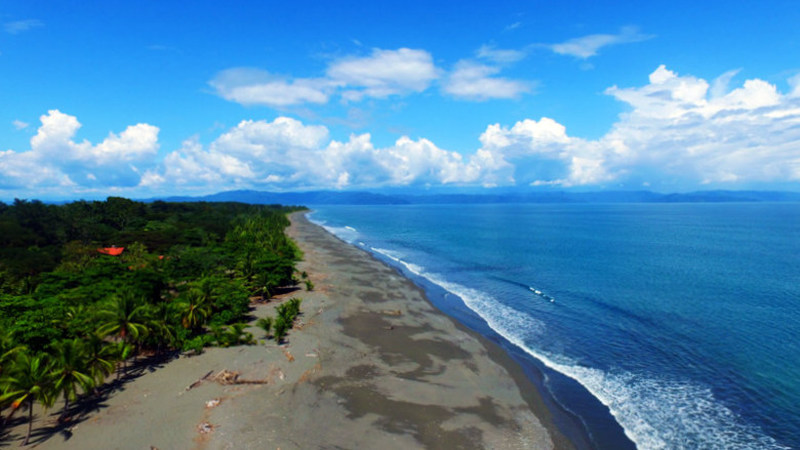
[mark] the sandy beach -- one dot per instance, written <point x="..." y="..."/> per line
<point x="370" y="364"/>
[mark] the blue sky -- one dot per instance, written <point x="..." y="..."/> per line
<point x="161" y="98"/>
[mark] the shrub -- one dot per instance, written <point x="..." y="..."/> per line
<point x="280" y="327"/>
<point x="265" y="323"/>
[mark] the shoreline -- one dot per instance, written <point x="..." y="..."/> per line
<point x="371" y="364"/>
<point x="582" y="419"/>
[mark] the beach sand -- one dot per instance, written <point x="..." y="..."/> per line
<point x="370" y="364"/>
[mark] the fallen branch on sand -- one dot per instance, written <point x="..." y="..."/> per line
<point x="199" y="380"/>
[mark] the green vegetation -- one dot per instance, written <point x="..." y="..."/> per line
<point x="70" y="315"/>
<point x="280" y="325"/>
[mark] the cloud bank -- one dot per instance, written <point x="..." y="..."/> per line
<point x="680" y="132"/>
<point x="56" y="161"/>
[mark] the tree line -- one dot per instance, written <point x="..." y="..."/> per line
<point x="70" y="315"/>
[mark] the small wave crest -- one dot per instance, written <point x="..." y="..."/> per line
<point x="655" y="413"/>
<point x="345" y="233"/>
<point x="541" y="294"/>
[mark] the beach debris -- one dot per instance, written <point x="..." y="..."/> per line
<point x="276" y="372"/>
<point x="228" y="377"/>
<point x="205" y="428"/>
<point x="390" y="312"/>
<point x="212" y="403"/>
<point x="311" y="355"/>
<point x="199" y="380"/>
<point x="289" y="356"/>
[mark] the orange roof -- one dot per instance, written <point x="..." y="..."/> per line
<point x="113" y="251"/>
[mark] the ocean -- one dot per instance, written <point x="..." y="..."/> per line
<point x="655" y="325"/>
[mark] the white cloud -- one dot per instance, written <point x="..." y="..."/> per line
<point x="498" y="55"/>
<point x="588" y="46"/>
<point x="473" y="81"/>
<point x="720" y="85"/>
<point x="287" y="154"/>
<point x="249" y="86"/>
<point x="56" y="159"/>
<point x="384" y="73"/>
<point x="539" y="153"/>
<point x="20" y="26"/>
<point x="675" y="136"/>
<point x="19" y="125"/>
<point x="381" y="74"/>
<point x="794" y="83"/>
<point x="54" y="140"/>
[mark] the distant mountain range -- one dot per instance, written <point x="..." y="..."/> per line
<point x="371" y="198"/>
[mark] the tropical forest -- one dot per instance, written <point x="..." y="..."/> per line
<point x="89" y="286"/>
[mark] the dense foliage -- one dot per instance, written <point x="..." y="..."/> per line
<point x="69" y="313"/>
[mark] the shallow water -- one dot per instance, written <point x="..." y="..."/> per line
<point x="683" y="319"/>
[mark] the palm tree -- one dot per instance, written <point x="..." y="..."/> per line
<point x="160" y="319"/>
<point x="7" y="351"/>
<point x="126" y="320"/>
<point x="29" y="380"/>
<point x="7" y="348"/>
<point x="70" y="370"/>
<point x="100" y="359"/>
<point x="122" y="317"/>
<point x="194" y="310"/>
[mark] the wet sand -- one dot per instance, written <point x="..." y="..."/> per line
<point x="370" y="364"/>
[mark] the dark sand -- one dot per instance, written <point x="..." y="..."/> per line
<point x="371" y="364"/>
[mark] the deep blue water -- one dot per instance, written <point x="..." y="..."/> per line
<point x="683" y="319"/>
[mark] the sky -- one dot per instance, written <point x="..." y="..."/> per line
<point x="144" y="99"/>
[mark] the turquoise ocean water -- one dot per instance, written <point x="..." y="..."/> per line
<point x="659" y="325"/>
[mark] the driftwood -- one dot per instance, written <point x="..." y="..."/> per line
<point x="199" y="380"/>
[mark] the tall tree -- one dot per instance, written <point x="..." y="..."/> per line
<point x="194" y="309"/>
<point x="100" y="358"/>
<point x="70" y="371"/>
<point x="29" y="380"/>
<point x="123" y="317"/>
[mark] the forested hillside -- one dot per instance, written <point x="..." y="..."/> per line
<point x="87" y="285"/>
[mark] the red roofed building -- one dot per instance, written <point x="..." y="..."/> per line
<point x="113" y="251"/>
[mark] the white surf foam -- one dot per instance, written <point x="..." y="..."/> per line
<point x="345" y="233"/>
<point x="654" y="413"/>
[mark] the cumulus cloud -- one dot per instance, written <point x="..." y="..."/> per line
<point x="20" y="26"/>
<point x="56" y="159"/>
<point x="474" y="81"/>
<point x="679" y="132"/>
<point x="588" y="46"/>
<point x="288" y="154"/>
<point x="676" y="135"/>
